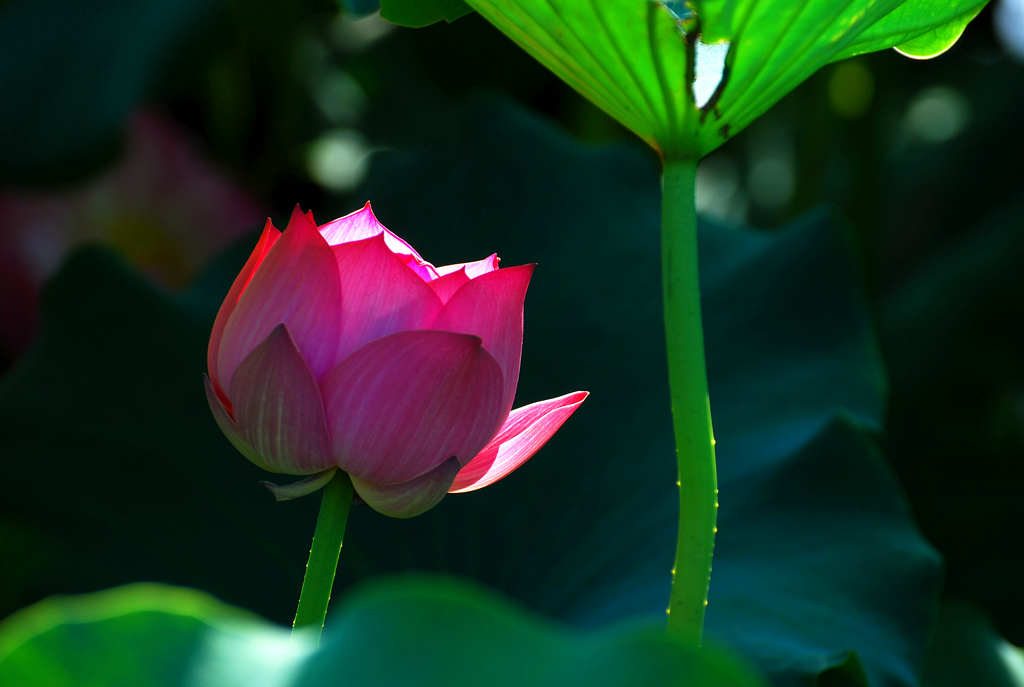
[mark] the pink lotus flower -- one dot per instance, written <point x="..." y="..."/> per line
<point x="340" y="347"/>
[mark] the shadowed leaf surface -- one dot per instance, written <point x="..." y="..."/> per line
<point x="408" y="631"/>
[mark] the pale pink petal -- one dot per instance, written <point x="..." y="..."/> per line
<point x="297" y="285"/>
<point x="423" y="269"/>
<point x="354" y="226"/>
<point x="278" y="407"/>
<point x="362" y="224"/>
<point x="411" y="498"/>
<point x="263" y="246"/>
<point x="526" y="430"/>
<point x="227" y="425"/>
<point x="403" y="404"/>
<point x="473" y="269"/>
<point x="446" y="286"/>
<point x="304" y="487"/>
<point x="491" y="307"/>
<point x="379" y="295"/>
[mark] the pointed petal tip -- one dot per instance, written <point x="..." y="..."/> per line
<point x="523" y="434"/>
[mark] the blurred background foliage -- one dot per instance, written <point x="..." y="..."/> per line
<point x="137" y="123"/>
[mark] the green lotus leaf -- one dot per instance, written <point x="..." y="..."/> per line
<point x="637" y="59"/>
<point x="967" y="650"/>
<point x="403" y="631"/>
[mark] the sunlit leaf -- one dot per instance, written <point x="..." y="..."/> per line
<point x="938" y="40"/>
<point x="630" y="56"/>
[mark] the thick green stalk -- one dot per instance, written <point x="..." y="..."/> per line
<point x="323" y="555"/>
<point x="691" y="410"/>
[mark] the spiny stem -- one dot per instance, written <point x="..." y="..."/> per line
<point x="323" y="555"/>
<point x="691" y="410"/>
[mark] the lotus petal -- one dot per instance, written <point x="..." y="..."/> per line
<point x="362" y="224"/>
<point x="227" y="425"/>
<point x="491" y="307"/>
<point x="446" y="285"/>
<point x="298" y="286"/>
<point x="379" y="295"/>
<point x="403" y="404"/>
<point x="473" y="269"/>
<point x="267" y="240"/>
<point x="287" y="492"/>
<point x="413" y="497"/>
<point x="278" y="407"/>
<point x="526" y="430"/>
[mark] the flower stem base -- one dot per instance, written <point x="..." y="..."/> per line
<point x="323" y="556"/>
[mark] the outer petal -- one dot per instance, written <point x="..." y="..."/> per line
<point x="526" y="430"/>
<point x="380" y="295"/>
<point x="263" y="246"/>
<point x="298" y="286"/>
<point x="278" y="407"/>
<point x="473" y="269"/>
<point x="491" y="307"/>
<point x="227" y="425"/>
<point x="401" y="405"/>
<point x="411" y="498"/>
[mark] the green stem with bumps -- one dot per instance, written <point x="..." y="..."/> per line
<point x="691" y="409"/>
<point x="323" y="556"/>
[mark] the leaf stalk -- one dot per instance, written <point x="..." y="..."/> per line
<point x="691" y="409"/>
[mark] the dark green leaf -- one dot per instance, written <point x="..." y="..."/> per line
<point x="73" y="71"/>
<point x="953" y="336"/>
<point x="817" y="556"/>
<point x="417" y="13"/>
<point x="966" y="651"/>
<point x="412" y="631"/>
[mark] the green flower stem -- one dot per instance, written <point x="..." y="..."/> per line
<point x="691" y="410"/>
<point x="323" y="555"/>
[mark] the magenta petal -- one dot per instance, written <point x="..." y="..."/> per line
<point x="446" y="286"/>
<point x="473" y="269"/>
<point x="401" y="405"/>
<point x="279" y="409"/>
<point x="263" y="246"/>
<point x="228" y="426"/>
<point x="491" y="307"/>
<point x="526" y="430"/>
<point x="411" y="498"/>
<point x="380" y="295"/>
<point x="297" y="285"/>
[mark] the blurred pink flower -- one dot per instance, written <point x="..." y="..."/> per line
<point x="162" y="205"/>
<point x="339" y="346"/>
